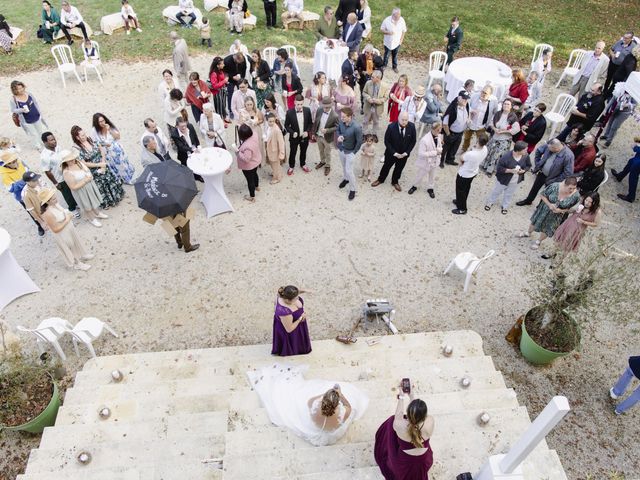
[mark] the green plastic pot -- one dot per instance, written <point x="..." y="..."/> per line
<point x="46" y="419"/>
<point x="533" y="352"/>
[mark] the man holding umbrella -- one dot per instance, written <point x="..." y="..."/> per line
<point x="165" y="191"/>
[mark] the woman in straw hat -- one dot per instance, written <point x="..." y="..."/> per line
<point x="83" y="188"/>
<point x="58" y="220"/>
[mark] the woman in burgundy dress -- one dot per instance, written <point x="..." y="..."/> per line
<point x="290" y="330"/>
<point x="402" y="449"/>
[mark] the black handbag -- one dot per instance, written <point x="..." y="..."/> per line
<point x="464" y="476"/>
<point x="40" y="32"/>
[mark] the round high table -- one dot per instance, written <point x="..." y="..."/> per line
<point x="211" y="163"/>
<point x="14" y="281"/>
<point x="329" y="60"/>
<point x="482" y="71"/>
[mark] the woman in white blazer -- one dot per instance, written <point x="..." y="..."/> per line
<point x="429" y="151"/>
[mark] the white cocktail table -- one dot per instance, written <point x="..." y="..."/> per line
<point x="482" y="71"/>
<point x="329" y="60"/>
<point x="14" y="281"/>
<point x="211" y="163"/>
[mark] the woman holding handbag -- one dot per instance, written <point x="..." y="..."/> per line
<point x="26" y="113"/>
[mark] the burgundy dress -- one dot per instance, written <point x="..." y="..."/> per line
<point x="394" y="463"/>
<point x="294" y="343"/>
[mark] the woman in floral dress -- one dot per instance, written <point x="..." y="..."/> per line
<point x="105" y="134"/>
<point x="95" y="157"/>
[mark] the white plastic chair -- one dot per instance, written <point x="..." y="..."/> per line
<point x="467" y="262"/>
<point x="86" y="331"/>
<point x="606" y="177"/>
<point x="269" y="55"/>
<point x="576" y="58"/>
<point x="49" y="331"/>
<point x="64" y="59"/>
<point x="560" y="111"/>
<point x="97" y="67"/>
<point x="537" y="52"/>
<point x="293" y="55"/>
<point x="437" y="61"/>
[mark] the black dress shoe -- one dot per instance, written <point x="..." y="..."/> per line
<point x="412" y="190"/>
<point x="616" y="175"/>
<point x="625" y="198"/>
<point x="522" y="203"/>
<point x="431" y="193"/>
<point x="452" y="162"/>
<point x="441" y="164"/>
<point x="343" y="183"/>
<point x="352" y="195"/>
<point x="193" y="247"/>
<point x="457" y="211"/>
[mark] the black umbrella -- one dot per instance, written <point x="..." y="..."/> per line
<point x="165" y="189"/>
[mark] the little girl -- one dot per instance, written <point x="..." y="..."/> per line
<point x="368" y="152"/>
<point x="205" y="32"/>
<point x="91" y="55"/>
<point x="128" y="15"/>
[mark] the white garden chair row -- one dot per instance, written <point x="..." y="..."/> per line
<point x="52" y="329"/>
<point x="66" y="64"/>
<point x="269" y="55"/>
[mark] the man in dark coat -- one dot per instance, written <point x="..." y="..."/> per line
<point x="186" y="141"/>
<point x="399" y="140"/>
<point x="453" y="38"/>
<point x="298" y="124"/>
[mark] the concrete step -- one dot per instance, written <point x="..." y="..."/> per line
<point x="171" y="471"/>
<point x="107" y="431"/>
<point x="130" y="410"/>
<point x="465" y="343"/>
<point x="248" y="410"/>
<point x="125" y="455"/>
<point x="422" y="381"/>
<point x="363" y="473"/>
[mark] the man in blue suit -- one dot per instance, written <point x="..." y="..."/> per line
<point x="352" y="33"/>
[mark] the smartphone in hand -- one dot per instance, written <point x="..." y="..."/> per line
<point x="406" y="386"/>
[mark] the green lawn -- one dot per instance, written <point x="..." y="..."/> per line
<point x="504" y="29"/>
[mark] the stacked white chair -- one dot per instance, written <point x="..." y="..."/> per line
<point x="437" y="61"/>
<point x="49" y="332"/>
<point x="269" y="55"/>
<point x="560" y="111"/>
<point x="87" y="330"/>
<point x="64" y="59"/>
<point x="468" y="263"/>
<point x="88" y="64"/>
<point x="576" y="58"/>
<point x="293" y="55"/>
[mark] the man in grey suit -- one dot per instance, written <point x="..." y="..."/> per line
<point x="324" y="128"/>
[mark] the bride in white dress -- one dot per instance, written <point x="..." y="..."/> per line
<point x="320" y="411"/>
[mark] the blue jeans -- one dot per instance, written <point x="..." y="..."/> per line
<point x="394" y="57"/>
<point x="620" y="387"/>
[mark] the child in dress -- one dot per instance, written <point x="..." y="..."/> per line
<point x="368" y="152"/>
<point x="205" y="32"/>
<point x="91" y="55"/>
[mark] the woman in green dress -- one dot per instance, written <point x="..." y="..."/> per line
<point x="94" y="156"/>
<point x="50" y="22"/>
<point x="555" y="204"/>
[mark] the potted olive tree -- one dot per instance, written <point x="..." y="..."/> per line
<point x="29" y="397"/>
<point x="598" y="280"/>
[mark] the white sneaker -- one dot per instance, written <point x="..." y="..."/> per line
<point x="139" y="30"/>
<point x="95" y="222"/>
<point x="382" y="159"/>
<point x="102" y="215"/>
<point x="88" y="256"/>
<point x="128" y="32"/>
<point x="76" y="214"/>
<point x="82" y="266"/>
<point x="613" y="395"/>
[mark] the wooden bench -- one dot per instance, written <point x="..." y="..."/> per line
<point x="111" y="23"/>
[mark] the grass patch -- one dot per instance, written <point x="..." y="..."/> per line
<point x="502" y="29"/>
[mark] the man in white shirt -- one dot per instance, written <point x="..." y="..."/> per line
<point x="162" y="143"/>
<point x="70" y="18"/>
<point x="294" y="9"/>
<point x="186" y="10"/>
<point x="394" y="28"/>
<point x="415" y="105"/>
<point x="50" y="159"/>
<point x="470" y="165"/>
<point x="594" y="69"/>
<point x="481" y="110"/>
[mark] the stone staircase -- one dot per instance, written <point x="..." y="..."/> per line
<point x="174" y="413"/>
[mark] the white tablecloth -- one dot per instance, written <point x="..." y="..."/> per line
<point x="329" y="60"/>
<point x="111" y="23"/>
<point x="211" y="163"/>
<point x="14" y="281"/>
<point x="482" y="71"/>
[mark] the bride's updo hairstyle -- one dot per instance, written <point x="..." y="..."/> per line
<point x="289" y="292"/>
<point x="330" y="401"/>
<point x="416" y="415"/>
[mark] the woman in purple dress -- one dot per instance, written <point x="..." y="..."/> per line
<point x="290" y="329"/>
<point x="402" y="449"/>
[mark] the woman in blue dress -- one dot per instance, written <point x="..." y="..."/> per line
<point x="106" y="135"/>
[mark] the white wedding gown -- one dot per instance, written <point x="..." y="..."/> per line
<point x="285" y="394"/>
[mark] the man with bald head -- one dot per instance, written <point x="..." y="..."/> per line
<point x="399" y="140"/>
<point x="352" y="33"/>
<point x="594" y="69"/>
<point x="554" y="163"/>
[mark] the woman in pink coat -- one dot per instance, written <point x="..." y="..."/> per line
<point x="249" y="158"/>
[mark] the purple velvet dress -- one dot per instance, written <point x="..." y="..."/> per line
<point x="294" y="343"/>
<point x="394" y="463"/>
